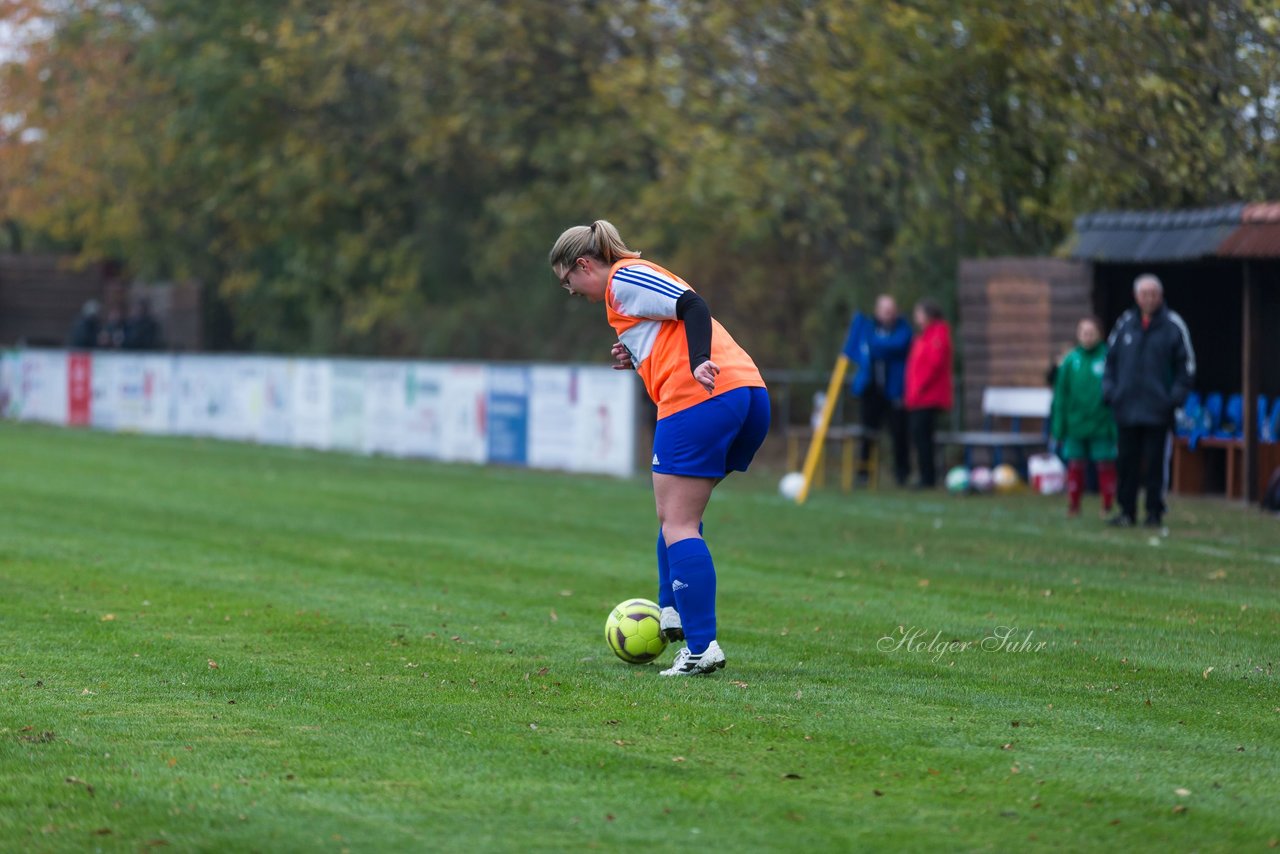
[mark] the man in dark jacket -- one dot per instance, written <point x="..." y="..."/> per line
<point x="1150" y="368"/>
<point x="879" y="346"/>
<point x="84" y="334"/>
<point x="141" y="330"/>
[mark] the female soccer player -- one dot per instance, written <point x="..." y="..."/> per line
<point x="713" y="414"/>
<point x="1080" y="422"/>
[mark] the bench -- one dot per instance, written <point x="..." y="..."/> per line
<point x="843" y="434"/>
<point x="1014" y="404"/>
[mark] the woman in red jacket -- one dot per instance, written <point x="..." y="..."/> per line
<point x="928" y="384"/>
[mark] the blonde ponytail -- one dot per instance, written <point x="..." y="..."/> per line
<point x="598" y="240"/>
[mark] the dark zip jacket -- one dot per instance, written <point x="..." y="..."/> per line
<point x="1149" y="371"/>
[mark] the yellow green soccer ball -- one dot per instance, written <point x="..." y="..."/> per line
<point x="633" y="631"/>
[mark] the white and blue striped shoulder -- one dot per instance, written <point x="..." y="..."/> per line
<point x="641" y="291"/>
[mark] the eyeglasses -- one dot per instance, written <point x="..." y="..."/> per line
<point x="564" y="281"/>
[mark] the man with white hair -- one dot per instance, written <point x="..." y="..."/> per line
<point x="1149" y="370"/>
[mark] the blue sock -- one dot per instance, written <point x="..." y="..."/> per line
<point x="693" y="576"/>
<point x="666" y="598"/>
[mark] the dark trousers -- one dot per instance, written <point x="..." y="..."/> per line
<point x="876" y="410"/>
<point x="1141" y="462"/>
<point x="921" y="423"/>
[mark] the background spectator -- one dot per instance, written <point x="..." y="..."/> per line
<point x="928" y="384"/>
<point x="878" y="346"/>
<point x="1149" y="370"/>
<point x="142" y="330"/>
<point x="112" y="332"/>
<point x="84" y="334"/>
<point x="1081" y="424"/>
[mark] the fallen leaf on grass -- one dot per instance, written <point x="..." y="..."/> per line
<point x="1206" y="673"/>
<point x="877" y="793"/>
<point x="102" y="831"/>
<point x="554" y="617"/>
<point x="87" y="693"/>
<point x="213" y="665"/>
<point x="1179" y="809"/>
<point x="1181" y="792"/>
<point x="1008" y="746"/>
<point x="106" y="618"/>
<point x="1217" y="575"/>
<point x="76" y="781"/>
<point x="677" y="758"/>
<point x="620" y="742"/>
<point x="738" y="683"/>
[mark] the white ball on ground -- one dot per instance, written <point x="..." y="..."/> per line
<point x="790" y="485"/>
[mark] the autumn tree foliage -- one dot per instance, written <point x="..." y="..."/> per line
<point x="386" y="176"/>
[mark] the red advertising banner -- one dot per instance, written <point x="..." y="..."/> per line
<point x="79" y="388"/>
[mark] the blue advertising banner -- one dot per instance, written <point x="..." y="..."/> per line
<point x="508" y="415"/>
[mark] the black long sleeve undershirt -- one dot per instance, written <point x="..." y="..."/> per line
<point x="695" y="313"/>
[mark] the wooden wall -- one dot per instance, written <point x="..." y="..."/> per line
<point x="1016" y="317"/>
<point x="41" y="296"/>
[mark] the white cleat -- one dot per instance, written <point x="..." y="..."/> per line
<point x="688" y="664"/>
<point x="669" y="623"/>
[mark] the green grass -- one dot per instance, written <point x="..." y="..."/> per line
<point x="409" y="656"/>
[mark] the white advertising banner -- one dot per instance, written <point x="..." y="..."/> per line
<point x="42" y="386"/>
<point x="384" y="407"/>
<point x="464" y="438"/>
<point x="275" y="426"/>
<point x="605" y="422"/>
<point x="202" y="397"/>
<point x="542" y="416"/>
<point x="422" y="433"/>
<point x="312" y="403"/>
<point x="10" y="367"/>
<point x="553" y="408"/>
<point x="346" y="416"/>
<point x="131" y="392"/>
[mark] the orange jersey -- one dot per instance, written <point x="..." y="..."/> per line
<point x="641" y="302"/>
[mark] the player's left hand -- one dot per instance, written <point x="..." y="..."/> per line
<point x="706" y="374"/>
<point x="623" y="358"/>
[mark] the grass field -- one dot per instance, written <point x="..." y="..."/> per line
<point x="223" y="647"/>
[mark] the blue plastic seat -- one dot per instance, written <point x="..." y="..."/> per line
<point x="1210" y="419"/>
<point x="1273" y="421"/>
<point x="1189" y="415"/>
<point x="1231" y="424"/>
<point x="1261" y="414"/>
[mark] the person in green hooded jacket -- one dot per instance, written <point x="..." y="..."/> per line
<point x="1081" y="423"/>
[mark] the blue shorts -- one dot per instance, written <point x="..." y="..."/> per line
<point x="715" y="437"/>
